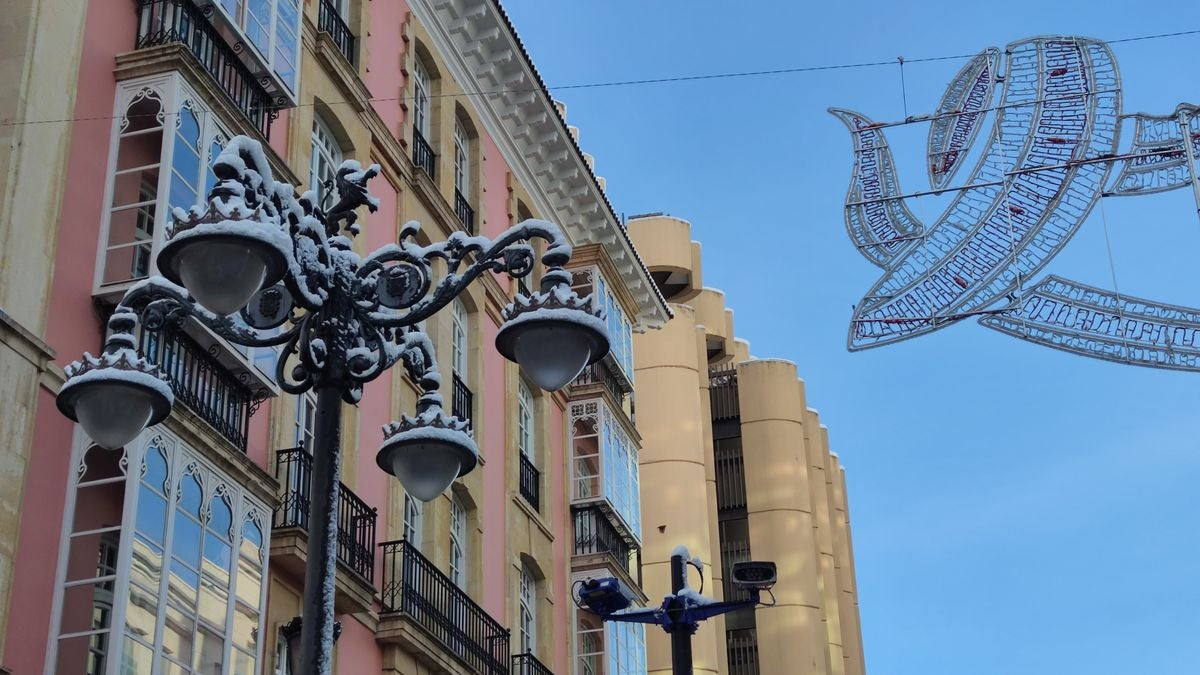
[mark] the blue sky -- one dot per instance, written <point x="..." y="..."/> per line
<point x="1015" y="509"/>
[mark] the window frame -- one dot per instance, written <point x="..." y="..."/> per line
<point x="459" y="566"/>
<point x="237" y="16"/>
<point x="181" y="460"/>
<point x="462" y="159"/>
<point x="422" y="98"/>
<point x="306" y="412"/>
<point x="527" y="443"/>
<point x="413" y="521"/>
<point x="324" y="150"/>
<point x="460" y="341"/>
<point x="615" y="459"/>
<point x="527" y="611"/>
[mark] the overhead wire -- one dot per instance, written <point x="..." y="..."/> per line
<point x="614" y="83"/>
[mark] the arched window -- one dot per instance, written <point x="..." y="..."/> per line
<point x="133" y="206"/>
<point x="324" y="163"/>
<point x="458" y="542"/>
<point x="462" y="160"/>
<point x="528" y="611"/>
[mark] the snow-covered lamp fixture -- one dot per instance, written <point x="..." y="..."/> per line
<point x="225" y="254"/>
<point x="553" y="334"/>
<point x="117" y="394"/>
<point x="429" y="451"/>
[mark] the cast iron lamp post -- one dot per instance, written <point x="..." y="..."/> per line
<point x="255" y="258"/>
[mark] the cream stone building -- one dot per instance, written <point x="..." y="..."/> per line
<point x="712" y="415"/>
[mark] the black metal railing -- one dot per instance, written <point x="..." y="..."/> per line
<point x="528" y="664"/>
<point x="423" y="155"/>
<point x="730" y="473"/>
<point x="594" y="533"/>
<point x="733" y="551"/>
<point x="742" y="648"/>
<point x="463" y="400"/>
<point x="332" y="22"/>
<point x="523" y="286"/>
<point x="162" y="22"/>
<point x="601" y="372"/>
<point x="413" y="586"/>
<point x="466" y="214"/>
<point x="530" y="482"/>
<point x="723" y="393"/>
<point x="356" y="520"/>
<point x="202" y="383"/>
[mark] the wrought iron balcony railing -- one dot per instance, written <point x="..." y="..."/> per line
<point x="530" y="482"/>
<point x="723" y="393"/>
<point x="202" y="383"/>
<point x="463" y="400"/>
<point x="332" y="22"/>
<point x="466" y="214"/>
<point x="601" y="372"/>
<point x="162" y="22"/>
<point x="528" y="664"/>
<point x="356" y="520"/>
<point x="742" y="647"/>
<point x="413" y="586"/>
<point x="595" y="533"/>
<point x="423" y="155"/>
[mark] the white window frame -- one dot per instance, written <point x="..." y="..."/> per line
<point x="527" y="611"/>
<point x="458" y="542"/>
<point x="306" y="421"/>
<point x="422" y="94"/>
<point x="324" y="160"/>
<point x="526" y="423"/>
<point x="462" y="160"/>
<point x="414" y="520"/>
<point x="181" y="460"/>
<point x="174" y="94"/>
<point x="460" y="348"/>
<point x="617" y="656"/>
<point x="615" y="458"/>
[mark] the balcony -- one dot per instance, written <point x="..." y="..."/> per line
<point x="331" y="21"/>
<point x="463" y="400"/>
<point x="423" y="155"/>
<point x="742" y="648"/>
<point x="528" y="664"/>
<point x="595" y="535"/>
<point x="201" y="383"/>
<point x="466" y="214"/>
<point x="530" y="482"/>
<point x="723" y="394"/>
<point x="609" y="378"/>
<point x="355" y="533"/>
<point x="426" y="612"/>
<point x="164" y="22"/>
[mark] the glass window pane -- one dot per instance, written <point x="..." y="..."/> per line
<point x="214" y="601"/>
<point x="249" y="582"/>
<point x="140" y="150"/>
<point x="146" y="566"/>
<point x="191" y="498"/>
<point x="187" y="538"/>
<point x="169" y="667"/>
<point x="221" y="518"/>
<point x="245" y="627"/>
<point x="75" y="655"/>
<point x="183" y="585"/>
<point x="154" y="468"/>
<point x="252" y="539"/>
<point x="136" y="659"/>
<point x="217" y="558"/>
<point x="152" y="515"/>
<point x="177" y="635"/>
<point x="141" y="614"/>
<point x="142" y="114"/>
<point x="210" y="652"/>
<point x="243" y="663"/>
<point x="80" y="605"/>
<point x="87" y="556"/>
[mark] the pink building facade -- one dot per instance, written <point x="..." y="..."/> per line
<point x="185" y="552"/>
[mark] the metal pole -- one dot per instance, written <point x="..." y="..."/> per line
<point x="1185" y="129"/>
<point x="681" y="634"/>
<point x="316" y="630"/>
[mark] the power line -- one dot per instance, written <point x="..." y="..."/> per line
<point x="618" y="83"/>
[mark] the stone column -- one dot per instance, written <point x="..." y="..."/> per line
<point x="791" y="635"/>
<point x="844" y="568"/>
<point x="672" y="462"/>
<point x="713" y="573"/>
<point x="822" y="512"/>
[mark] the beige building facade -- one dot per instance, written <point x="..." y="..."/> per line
<point x="712" y="415"/>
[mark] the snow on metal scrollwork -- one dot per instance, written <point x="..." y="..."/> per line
<point x="1048" y="160"/>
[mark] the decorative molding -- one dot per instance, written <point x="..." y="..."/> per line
<point x="482" y="52"/>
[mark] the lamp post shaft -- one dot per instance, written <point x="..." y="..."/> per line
<point x="317" y="627"/>
<point x="681" y="633"/>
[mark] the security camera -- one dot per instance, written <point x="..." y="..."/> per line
<point x="604" y="596"/>
<point x="754" y="575"/>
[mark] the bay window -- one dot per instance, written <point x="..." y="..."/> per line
<point x="604" y="462"/>
<point x="165" y="143"/>
<point x="272" y="29"/>
<point x="162" y="564"/>
<point x="608" y="648"/>
<point x="589" y="280"/>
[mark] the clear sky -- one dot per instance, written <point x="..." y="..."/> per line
<point x="1016" y="510"/>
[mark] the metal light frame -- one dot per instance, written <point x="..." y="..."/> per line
<point x="345" y="321"/>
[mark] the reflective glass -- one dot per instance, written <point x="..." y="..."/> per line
<point x="141" y="613"/>
<point x="152" y="515"/>
<point x="221" y="520"/>
<point x="249" y="582"/>
<point x="245" y="627"/>
<point x="136" y="659"/>
<point x="155" y="468"/>
<point x="183" y="585"/>
<point x="210" y="652"/>
<point x="217" y="558"/>
<point x="187" y="538"/>
<point x="79" y="603"/>
<point x="214" y="601"/>
<point x="178" y="630"/>
<point x="146" y="566"/>
<point x="190" y="499"/>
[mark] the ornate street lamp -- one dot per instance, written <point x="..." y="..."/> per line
<point x="255" y="258"/>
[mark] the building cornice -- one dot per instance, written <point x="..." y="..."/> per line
<point x="483" y="53"/>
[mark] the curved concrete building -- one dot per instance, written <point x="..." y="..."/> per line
<point x="713" y="415"/>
